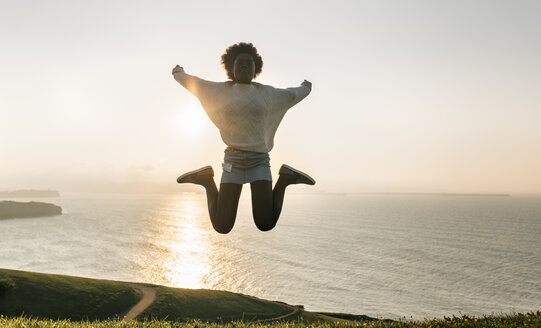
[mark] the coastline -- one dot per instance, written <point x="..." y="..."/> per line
<point x="67" y="301"/>
<point x="11" y="209"/>
<point x="76" y="298"/>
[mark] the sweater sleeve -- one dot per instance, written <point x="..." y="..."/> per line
<point x="200" y="88"/>
<point x="283" y="99"/>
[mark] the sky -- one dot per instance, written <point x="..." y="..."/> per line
<point x="408" y="96"/>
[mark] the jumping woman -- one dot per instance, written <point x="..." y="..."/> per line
<point x="247" y="114"/>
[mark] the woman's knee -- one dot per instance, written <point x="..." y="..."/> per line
<point x="264" y="223"/>
<point x="265" y="228"/>
<point x="224" y="221"/>
<point x="223" y="229"/>
<point x="223" y="224"/>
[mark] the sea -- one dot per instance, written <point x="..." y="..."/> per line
<point x="382" y="255"/>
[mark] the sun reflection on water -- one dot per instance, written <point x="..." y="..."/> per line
<point x="184" y="238"/>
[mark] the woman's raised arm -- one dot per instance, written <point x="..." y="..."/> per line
<point x="286" y="98"/>
<point x="199" y="87"/>
<point x="186" y="80"/>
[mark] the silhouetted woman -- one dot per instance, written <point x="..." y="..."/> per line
<point x="247" y="114"/>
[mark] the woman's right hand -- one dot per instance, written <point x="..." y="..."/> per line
<point x="177" y="69"/>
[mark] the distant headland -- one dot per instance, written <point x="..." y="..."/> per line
<point x="387" y="193"/>
<point x="10" y="209"/>
<point x="29" y="193"/>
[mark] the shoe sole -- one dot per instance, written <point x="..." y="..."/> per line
<point x="312" y="181"/>
<point x="195" y="172"/>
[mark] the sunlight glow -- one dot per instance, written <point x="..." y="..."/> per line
<point x="187" y="243"/>
<point x="192" y="119"/>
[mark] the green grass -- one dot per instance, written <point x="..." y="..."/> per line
<point x="532" y="319"/>
<point x="48" y="296"/>
<point x="211" y="305"/>
<point x="30" y="299"/>
<point x="63" y="297"/>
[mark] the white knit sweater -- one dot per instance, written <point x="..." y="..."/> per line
<point x="247" y="115"/>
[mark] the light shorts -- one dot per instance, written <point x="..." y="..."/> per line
<point x="242" y="166"/>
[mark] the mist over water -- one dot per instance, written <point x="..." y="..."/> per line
<point x="387" y="256"/>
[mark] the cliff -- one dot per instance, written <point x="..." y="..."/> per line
<point x="29" y="193"/>
<point x="10" y="209"/>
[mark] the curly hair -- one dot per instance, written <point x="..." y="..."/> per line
<point x="228" y="58"/>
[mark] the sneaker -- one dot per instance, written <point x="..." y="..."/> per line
<point x="300" y="177"/>
<point x="196" y="175"/>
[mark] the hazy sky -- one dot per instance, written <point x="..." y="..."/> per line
<point x="423" y="96"/>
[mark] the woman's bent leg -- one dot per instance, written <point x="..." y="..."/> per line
<point x="223" y="205"/>
<point x="278" y="194"/>
<point x="262" y="204"/>
<point x="267" y="203"/>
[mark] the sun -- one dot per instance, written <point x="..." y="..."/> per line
<point x="192" y="119"/>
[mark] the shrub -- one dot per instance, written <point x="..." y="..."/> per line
<point x="5" y="285"/>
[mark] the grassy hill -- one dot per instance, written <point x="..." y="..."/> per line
<point x="63" y="297"/>
<point x="30" y="299"/>
<point x="49" y="296"/>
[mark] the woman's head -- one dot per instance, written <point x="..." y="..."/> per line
<point x="242" y="63"/>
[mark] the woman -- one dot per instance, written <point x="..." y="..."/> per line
<point x="247" y="114"/>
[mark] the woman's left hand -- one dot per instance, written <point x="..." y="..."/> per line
<point x="177" y="69"/>
<point x="307" y="84"/>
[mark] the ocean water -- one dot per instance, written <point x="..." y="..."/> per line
<point x="388" y="256"/>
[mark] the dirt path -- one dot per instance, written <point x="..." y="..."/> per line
<point x="295" y="311"/>
<point x="149" y="294"/>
